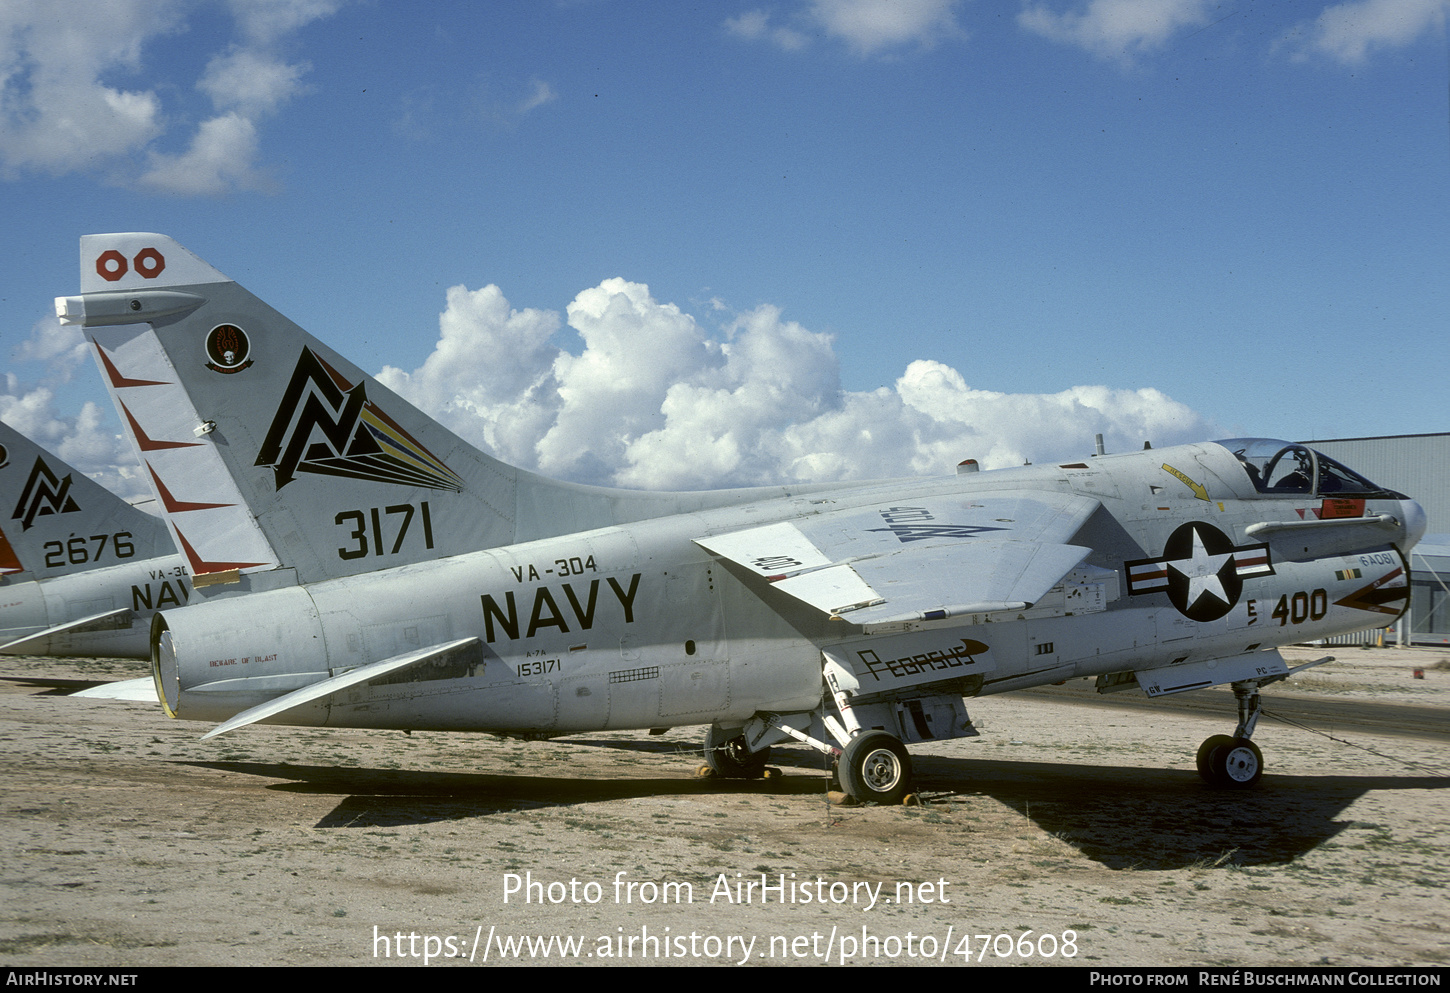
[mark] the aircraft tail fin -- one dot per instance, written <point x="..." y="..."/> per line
<point x="54" y="520"/>
<point x="267" y="449"/>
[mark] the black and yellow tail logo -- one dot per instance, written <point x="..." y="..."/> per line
<point x="44" y="494"/>
<point x="327" y="425"/>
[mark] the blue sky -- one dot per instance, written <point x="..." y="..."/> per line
<point x="706" y="244"/>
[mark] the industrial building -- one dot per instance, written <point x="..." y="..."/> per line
<point x="1417" y="465"/>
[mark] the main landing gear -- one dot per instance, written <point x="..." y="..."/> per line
<point x="875" y="768"/>
<point x="873" y="765"/>
<point x="866" y="733"/>
<point x="728" y="756"/>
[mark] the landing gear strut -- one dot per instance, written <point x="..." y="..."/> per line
<point x="1232" y="761"/>
<point x="729" y="757"/>
<point x="865" y="732"/>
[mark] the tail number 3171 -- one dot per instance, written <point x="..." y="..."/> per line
<point x="385" y="524"/>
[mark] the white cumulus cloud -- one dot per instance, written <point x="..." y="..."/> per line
<point x="867" y="27"/>
<point x="755" y="25"/>
<point x="63" y="108"/>
<point x="871" y="26"/>
<point x="251" y="82"/>
<point x="490" y="376"/>
<point x="540" y="93"/>
<point x="221" y="158"/>
<point x="82" y="440"/>
<point x="1116" y="29"/>
<point x="1349" y="31"/>
<point x="266" y="21"/>
<point x="656" y="400"/>
<point x="55" y="113"/>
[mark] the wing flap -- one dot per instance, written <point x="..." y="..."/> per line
<point x="773" y="551"/>
<point x="837" y="590"/>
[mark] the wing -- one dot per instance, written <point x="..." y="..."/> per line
<point x="929" y="560"/>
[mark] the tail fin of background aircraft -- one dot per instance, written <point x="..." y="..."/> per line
<point x="56" y="521"/>
<point x="268" y="449"/>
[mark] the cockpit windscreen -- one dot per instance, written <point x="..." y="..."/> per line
<point x="1284" y="467"/>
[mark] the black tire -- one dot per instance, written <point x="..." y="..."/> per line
<point x="1238" y="765"/>
<point x="876" y="768"/>
<point x="728" y="757"/>
<point x="1205" y="756"/>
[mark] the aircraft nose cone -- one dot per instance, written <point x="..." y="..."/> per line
<point x="1414" y="518"/>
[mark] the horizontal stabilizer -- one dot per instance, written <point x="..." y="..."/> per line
<point x="109" y="621"/>
<point x="326" y="687"/>
<point x="141" y="690"/>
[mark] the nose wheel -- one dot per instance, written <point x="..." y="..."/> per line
<point x="1233" y="761"/>
<point x="1230" y="763"/>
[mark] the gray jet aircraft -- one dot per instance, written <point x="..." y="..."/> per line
<point x="81" y="570"/>
<point x="398" y="578"/>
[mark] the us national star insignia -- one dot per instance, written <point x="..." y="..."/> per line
<point x="1201" y="570"/>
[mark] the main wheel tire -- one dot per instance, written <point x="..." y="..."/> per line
<point x="728" y="757"/>
<point x="1238" y="765"/>
<point x="1205" y="756"/>
<point x="875" y="767"/>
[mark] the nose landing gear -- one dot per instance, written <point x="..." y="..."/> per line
<point x="1234" y="762"/>
<point x="1230" y="763"/>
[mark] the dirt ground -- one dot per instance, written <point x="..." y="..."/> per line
<point x="1073" y="831"/>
